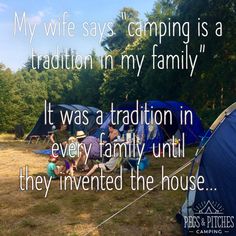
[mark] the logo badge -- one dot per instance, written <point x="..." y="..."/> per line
<point x="209" y="218"/>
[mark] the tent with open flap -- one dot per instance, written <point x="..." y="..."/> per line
<point x="154" y="133"/>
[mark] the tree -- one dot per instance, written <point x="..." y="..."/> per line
<point x="118" y="87"/>
<point x="31" y="92"/>
<point x="86" y="83"/>
<point x="120" y="37"/>
<point x="8" y="100"/>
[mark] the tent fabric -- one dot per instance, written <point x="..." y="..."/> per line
<point x="217" y="166"/>
<point x="44" y="152"/>
<point x="41" y="129"/>
<point x="154" y="134"/>
<point x="193" y="130"/>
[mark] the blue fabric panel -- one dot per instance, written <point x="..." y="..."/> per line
<point x="41" y="129"/>
<point x="194" y="131"/>
<point x="159" y="105"/>
<point x="45" y="152"/>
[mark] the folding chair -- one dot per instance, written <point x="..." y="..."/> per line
<point x="32" y="137"/>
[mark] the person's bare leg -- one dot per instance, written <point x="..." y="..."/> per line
<point x="71" y="170"/>
<point x="92" y="170"/>
<point x="100" y="165"/>
<point x="81" y="161"/>
<point x="77" y="160"/>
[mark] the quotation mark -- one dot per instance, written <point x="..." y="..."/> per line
<point x="202" y="48"/>
<point x="123" y="15"/>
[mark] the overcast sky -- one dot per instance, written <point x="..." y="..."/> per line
<point x="15" y="49"/>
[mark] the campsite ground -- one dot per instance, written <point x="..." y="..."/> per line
<point x="77" y="212"/>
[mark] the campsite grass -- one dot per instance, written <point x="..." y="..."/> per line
<point x="77" y="212"/>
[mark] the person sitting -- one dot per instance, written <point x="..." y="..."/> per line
<point x="61" y="135"/>
<point x="72" y="155"/>
<point x="108" y="166"/>
<point x="90" y="143"/>
<point x="113" y="132"/>
<point x="53" y="170"/>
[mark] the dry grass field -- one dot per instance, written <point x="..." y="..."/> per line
<point x="78" y="212"/>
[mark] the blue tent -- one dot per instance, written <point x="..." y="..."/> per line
<point x="41" y="129"/>
<point x="213" y="207"/>
<point x="153" y="134"/>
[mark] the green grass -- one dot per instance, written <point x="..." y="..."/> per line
<point x="45" y="209"/>
<point x="31" y="223"/>
<point x="77" y="212"/>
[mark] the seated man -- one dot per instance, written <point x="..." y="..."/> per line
<point x="113" y="132"/>
<point x="61" y="135"/>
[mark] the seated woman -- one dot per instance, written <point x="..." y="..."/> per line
<point x="108" y="166"/>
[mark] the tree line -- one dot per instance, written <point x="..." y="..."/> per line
<point x="211" y="89"/>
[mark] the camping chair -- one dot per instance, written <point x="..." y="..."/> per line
<point x="119" y="162"/>
<point x="32" y="137"/>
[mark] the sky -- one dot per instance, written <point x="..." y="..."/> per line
<point x="16" y="48"/>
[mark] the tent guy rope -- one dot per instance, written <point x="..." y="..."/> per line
<point x="135" y="200"/>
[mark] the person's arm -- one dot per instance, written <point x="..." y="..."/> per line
<point x="81" y="156"/>
<point x="52" y="138"/>
<point x="57" y="172"/>
<point x="113" y="135"/>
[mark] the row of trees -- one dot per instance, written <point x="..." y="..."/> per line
<point x="22" y="94"/>
<point x="212" y="87"/>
